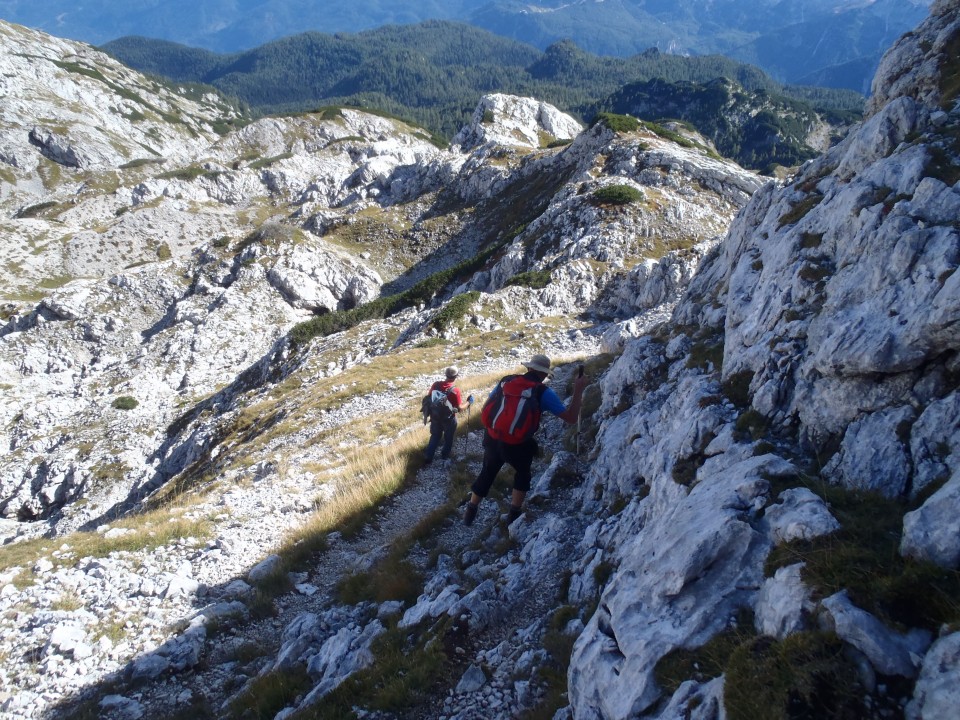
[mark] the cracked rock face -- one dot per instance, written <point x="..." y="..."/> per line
<point x="835" y="299"/>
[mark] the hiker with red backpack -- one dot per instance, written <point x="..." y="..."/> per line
<point x="440" y="407"/>
<point x="511" y="416"/>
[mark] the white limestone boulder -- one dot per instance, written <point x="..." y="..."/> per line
<point x="873" y="455"/>
<point x="784" y="603"/>
<point x="889" y="652"/>
<point x="801" y="514"/>
<point x="937" y="692"/>
<point x="680" y="579"/>
<point x="339" y="657"/>
<point x="509" y="120"/>
<point x="930" y="532"/>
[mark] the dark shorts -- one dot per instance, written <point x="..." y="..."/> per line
<point x="496" y="454"/>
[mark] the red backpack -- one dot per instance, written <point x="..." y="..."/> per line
<point x="512" y="412"/>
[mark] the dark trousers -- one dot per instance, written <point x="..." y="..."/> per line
<point x="496" y="454"/>
<point x="445" y="430"/>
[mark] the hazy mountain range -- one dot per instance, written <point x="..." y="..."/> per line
<point x="435" y="72"/>
<point x="831" y="42"/>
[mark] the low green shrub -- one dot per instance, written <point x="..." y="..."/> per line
<point x="535" y="279"/>
<point x="125" y="402"/>
<point x="421" y="293"/>
<point x="666" y="134"/>
<point x="35" y="210"/>
<point x="455" y="310"/>
<point x="616" y="195"/>
<point x="186" y="174"/>
<point x="267" y="162"/>
<point x="141" y="162"/>
<point x="617" y="123"/>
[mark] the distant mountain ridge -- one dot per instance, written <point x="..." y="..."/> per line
<point x="838" y="40"/>
<point x="435" y="73"/>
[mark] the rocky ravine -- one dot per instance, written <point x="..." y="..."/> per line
<point x="800" y="393"/>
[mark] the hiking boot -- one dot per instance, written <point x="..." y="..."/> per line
<point x="514" y="513"/>
<point x="470" y="514"/>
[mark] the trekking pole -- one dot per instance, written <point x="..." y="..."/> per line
<point x="466" y="437"/>
<point x="579" y="413"/>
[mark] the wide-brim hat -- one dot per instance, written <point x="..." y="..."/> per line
<point x="540" y="363"/>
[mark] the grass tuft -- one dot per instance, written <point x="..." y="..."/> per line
<point x="534" y="279"/>
<point x="148" y="531"/>
<point x="618" y="123"/>
<point x="706" y="662"/>
<point x="807" y="675"/>
<point x="799" y="210"/>
<point x="270" y="693"/>
<point x="864" y="558"/>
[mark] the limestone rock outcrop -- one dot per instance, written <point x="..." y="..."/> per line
<point x="828" y="325"/>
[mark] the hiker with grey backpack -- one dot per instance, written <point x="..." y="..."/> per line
<point x="511" y="416"/>
<point x="440" y="407"/>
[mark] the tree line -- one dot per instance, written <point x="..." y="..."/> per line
<point x="434" y="73"/>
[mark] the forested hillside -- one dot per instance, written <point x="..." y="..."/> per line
<point x="435" y="72"/>
<point x="758" y="128"/>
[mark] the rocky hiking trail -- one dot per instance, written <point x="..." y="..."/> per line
<point x="488" y="595"/>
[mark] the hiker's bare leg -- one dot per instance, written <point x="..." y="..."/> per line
<point x="517" y="498"/>
<point x="475" y="499"/>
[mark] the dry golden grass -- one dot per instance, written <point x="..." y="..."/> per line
<point x="371" y="475"/>
<point x="376" y="470"/>
<point x="147" y="531"/>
